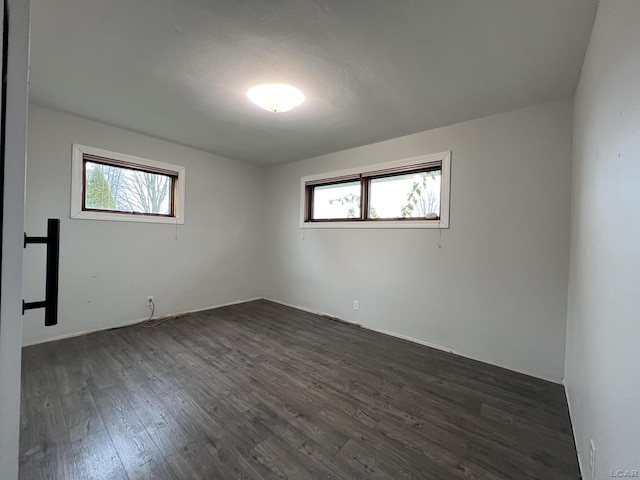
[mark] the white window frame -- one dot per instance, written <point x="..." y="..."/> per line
<point x="445" y="187"/>
<point x="77" y="182"/>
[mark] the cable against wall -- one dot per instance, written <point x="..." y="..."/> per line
<point x="145" y="324"/>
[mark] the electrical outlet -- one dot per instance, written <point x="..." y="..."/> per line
<point x="149" y="300"/>
<point x="592" y="459"/>
<point x="356" y="304"/>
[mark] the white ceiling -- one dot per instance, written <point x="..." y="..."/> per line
<point x="370" y="69"/>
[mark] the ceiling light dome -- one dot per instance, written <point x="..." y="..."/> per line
<point x="275" y="97"/>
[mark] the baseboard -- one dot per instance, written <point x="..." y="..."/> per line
<point x="437" y="346"/>
<point x="426" y="343"/>
<point x="128" y="323"/>
<point x="573" y="432"/>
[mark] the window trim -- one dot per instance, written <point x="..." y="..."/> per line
<point x="78" y="210"/>
<point x="369" y="172"/>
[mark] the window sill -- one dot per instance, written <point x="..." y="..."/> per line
<point x="378" y="224"/>
<point x="117" y="217"/>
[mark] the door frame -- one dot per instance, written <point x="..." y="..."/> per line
<point x="15" y="61"/>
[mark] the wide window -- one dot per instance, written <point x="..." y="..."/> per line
<point x="113" y="186"/>
<point x="411" y="193"/>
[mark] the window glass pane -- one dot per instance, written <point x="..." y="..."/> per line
<point x="119" y="189"/>
<point x="340" y="200"/>
<point x="413" y="195"/>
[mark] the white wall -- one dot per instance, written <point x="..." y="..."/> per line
<point x="497" y="288"/>
<point x="603" y="335"/>
<point x="107" y="269"/>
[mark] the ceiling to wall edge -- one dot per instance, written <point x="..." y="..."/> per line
<point x="270" y="165"/>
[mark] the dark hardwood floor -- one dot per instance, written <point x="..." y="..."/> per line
<point x="262" y="391"/>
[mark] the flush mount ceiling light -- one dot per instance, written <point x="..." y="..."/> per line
<point x="276" y="98"/>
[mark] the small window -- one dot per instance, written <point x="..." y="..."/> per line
<point x="336" y="201"/>
<point x="406" y="196"/>
<point x="410" y="193"/>
<point x="113" y="186"/>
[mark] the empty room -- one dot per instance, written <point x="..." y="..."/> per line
<point x="318" y="239"/>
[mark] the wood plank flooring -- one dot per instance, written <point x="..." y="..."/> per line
<point x="261" y="391"/>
